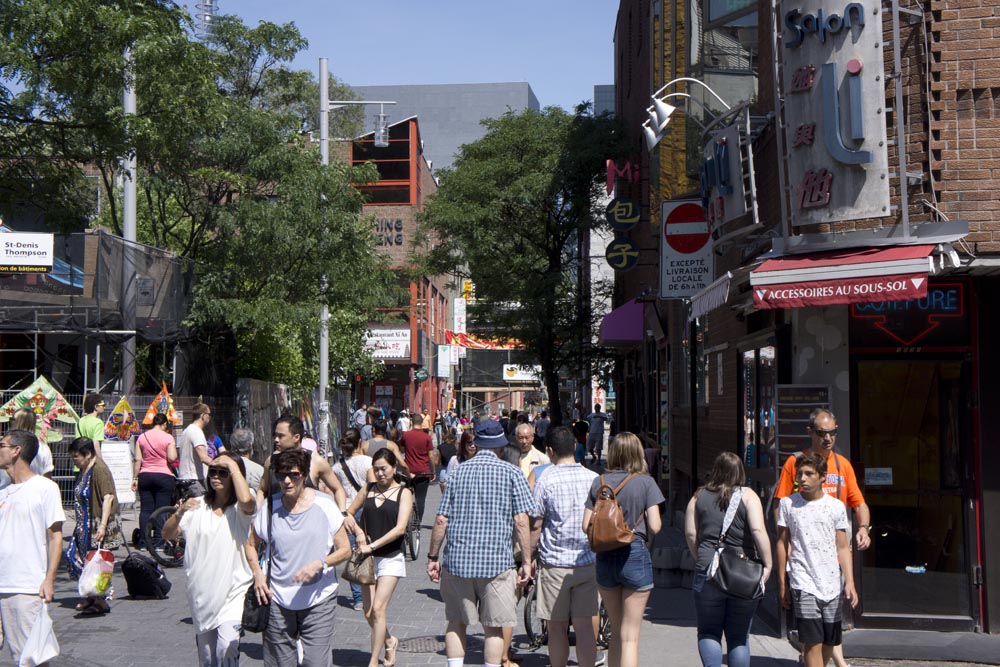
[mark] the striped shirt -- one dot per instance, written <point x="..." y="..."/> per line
<point x="561" y="494"/>
<point x="480" y="501"/>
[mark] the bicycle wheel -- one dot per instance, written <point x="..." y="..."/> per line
<point x="412" y="540"/>
<point x="168" y="553"/>
<point x="535" y="628"/>
<point x="603" y="628"/>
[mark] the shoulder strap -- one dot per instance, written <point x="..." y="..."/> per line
<point x="622" y="485"/>
<point x="836" y="462"/>
<point x="727" y="521"/>
<point x="350" y="475"/>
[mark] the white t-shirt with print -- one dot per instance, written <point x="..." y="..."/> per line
<point x="190" y="465"/>
<point x="812" y="527"/>
<point x="27" y="511"/>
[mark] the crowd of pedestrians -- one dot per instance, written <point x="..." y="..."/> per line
<point x="520" y="507"/>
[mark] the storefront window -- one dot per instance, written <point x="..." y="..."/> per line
<point x="758" y="377"/>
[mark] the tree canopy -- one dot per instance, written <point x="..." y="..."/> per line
<point x="227" y="175"/>
<point x="508" y="215"/>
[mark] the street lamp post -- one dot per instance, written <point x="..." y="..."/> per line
<point x="381" y="141"/>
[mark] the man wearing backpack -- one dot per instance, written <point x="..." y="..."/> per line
<point x="567" y="584"/>
<point x="483" y="503"/>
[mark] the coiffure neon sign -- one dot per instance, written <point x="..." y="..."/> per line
<point x="800" y="25"/>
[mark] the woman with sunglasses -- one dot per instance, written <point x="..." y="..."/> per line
<point x="387" y="503"/>
<point x="306" y="540"/>
<point x="215" y="529"/>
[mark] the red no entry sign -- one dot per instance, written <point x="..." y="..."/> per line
<point x="685" y="228"/>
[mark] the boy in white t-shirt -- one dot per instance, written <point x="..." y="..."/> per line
<point x="813" y="552"/>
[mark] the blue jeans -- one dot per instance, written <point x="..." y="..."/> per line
<point x="355" y="588"/>
<point x="720" y="613"/>
<point x="629" y="567"/>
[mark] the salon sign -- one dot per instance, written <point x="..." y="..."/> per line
<point x="834" y="110"/>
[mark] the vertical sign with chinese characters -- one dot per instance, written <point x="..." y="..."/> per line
<point x="460" y="322"/>
<point x="834" y="108"/>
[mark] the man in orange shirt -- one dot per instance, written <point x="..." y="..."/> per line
<point x="840" y="482"/>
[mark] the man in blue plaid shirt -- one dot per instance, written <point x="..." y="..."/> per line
<point x="567" y="582"/>
<point x="485" y="501"/>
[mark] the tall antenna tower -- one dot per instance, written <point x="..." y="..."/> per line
<point x="208" y="11"/>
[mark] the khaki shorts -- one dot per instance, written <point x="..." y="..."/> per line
<point x="487" y="601"/>
<point x="566" y="592"/>
<point x="18" y="612"/>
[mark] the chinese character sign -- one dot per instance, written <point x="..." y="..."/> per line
<point x="622" y="254"/>
<point x="833" y="86"/>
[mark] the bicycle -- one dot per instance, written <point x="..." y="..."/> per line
<point x="168" y="553"/>
<point x="411" y="538"/>
<point x="537" y="629"/>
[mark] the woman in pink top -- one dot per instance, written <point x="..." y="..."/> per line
<point x="152" y="477"/>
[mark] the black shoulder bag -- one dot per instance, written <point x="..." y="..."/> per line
<point x="732" y="570"/>
<point x="255" y="614"/>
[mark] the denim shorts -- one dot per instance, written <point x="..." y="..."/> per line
<point x="629" y="567"/>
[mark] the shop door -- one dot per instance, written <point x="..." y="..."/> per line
<point x="913" y="436"/>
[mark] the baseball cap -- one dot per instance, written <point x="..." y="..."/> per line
<point x="490" y="434"/>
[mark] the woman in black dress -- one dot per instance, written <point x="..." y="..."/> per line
<point x="387" y="504"/>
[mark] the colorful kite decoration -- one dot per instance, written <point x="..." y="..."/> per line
<point x="121" y="424"/>
<point x="162" y="404"/>
<point x="48" y="405"/>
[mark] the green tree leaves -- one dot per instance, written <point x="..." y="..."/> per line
<point x="508" y="215"/>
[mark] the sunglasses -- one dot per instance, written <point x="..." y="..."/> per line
<point x="294" y="476"/>
<point x="221" y="473"/>
<point x="822" y="434"/>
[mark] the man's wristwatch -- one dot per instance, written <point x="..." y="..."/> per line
<point x="432" y="559"/>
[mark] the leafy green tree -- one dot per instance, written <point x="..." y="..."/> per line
<point x="507" y="215"/>
<point x="226" y="176"/>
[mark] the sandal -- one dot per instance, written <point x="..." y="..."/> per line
<point x="83" y="606"/>
<point x="391" y="644"/>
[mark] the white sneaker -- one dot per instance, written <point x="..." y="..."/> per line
<point x="602" y="659"/>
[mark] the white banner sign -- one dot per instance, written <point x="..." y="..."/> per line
<point x="444" y="361"/>
<point x="388" y="343"/>
<point x="25" y="253"/>
<point x="117" y="455"/>
<point x="455" y="351"/>
<point x="460" y="316"/>
<point x="515" y="373"/>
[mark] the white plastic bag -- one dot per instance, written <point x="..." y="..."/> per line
<point x="41" y="645"/>
<point x="95" y="580"/>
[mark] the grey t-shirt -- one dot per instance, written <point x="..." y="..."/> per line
<point x="641" y="492"/>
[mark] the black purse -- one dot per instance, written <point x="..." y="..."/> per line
<point x="255" y="614"/>
<point x="736" y="572"/>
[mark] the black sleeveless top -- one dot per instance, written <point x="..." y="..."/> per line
<point x="709" y="521"/>
<point x="378" y="520"/>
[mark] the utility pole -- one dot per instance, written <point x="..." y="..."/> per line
<point x="129" y="235"/>
<point x="323" y="432"/>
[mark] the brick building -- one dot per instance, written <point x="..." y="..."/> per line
<point x="860" y="276"/>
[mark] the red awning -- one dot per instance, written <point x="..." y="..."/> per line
<point x="863" y="275"/>
<point x="624" y="324"/>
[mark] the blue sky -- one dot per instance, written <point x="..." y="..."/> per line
<point x="561" y="47"/>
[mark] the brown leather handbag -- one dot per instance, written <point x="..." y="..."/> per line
<point x="608" y="529"/>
